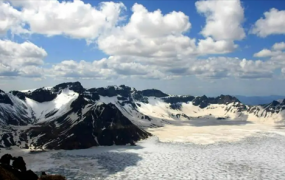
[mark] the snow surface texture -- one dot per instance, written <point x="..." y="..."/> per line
<point x="208" y="131"/>
<point x="257" y="157"/>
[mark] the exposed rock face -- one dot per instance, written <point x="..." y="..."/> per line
<point x="41" y="95"/>
<point x="19" y="94"/>
<point x="137" y="95"/>
<point x="111" y="91"/>
<point x="178" y="99"/>
<point x="204" y="101"/>
<point x="4" y="98"/>
<point x="153" y="92"/>
<point x="74" y="86"/>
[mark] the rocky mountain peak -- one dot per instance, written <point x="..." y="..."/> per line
<point x="41" y="95"/>
<point x="226" y="99"/>
<point x="204" y="101"/>
<point x="153" y="92"/>
<point x="275" y="103"/>
<point x="74" y="86"/>
<point x="4" y="98"/>
<point x="111" y="91"/>
<point x="19" y="94"/>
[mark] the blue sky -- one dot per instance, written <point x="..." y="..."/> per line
<point x="207" y="47"/>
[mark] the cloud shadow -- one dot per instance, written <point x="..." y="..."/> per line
<point x="115" y="162"/>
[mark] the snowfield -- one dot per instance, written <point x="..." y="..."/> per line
<point x="220" y="150"/>
<point x="208" y="131"/>
<point x="58" y="106"/>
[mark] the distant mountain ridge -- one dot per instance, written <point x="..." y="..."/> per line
<point x="256" y="100"/>
<point x="68" y="116"/>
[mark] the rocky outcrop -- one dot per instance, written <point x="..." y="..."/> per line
<point x="204" y="101"/>
<point x="19" y="94"/>
<point x="4" y="98"/>
<point x="74" y="86"/>
<point x="18" y="170"/>
<point x="111" y="91"/>
<point x="41" y="95"/>
<point x="176" y="101"/>
<point x="153" y="92"/>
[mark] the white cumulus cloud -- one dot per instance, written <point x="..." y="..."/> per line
<point x="273" y="23"/>
<point x="276" y="54"/>
<point x="210" y="46"/>
<point x="10" y="18"/>
<point x="224" y="67"/>
<point x="20" y="58"/>
<point x="263" y="53"/>
<point x="150" y="34"/>
<point x="223" y="19"/>
<point x="75" y="19"/>
<point x="279" y="46"/>
<point x="21" y="54"/>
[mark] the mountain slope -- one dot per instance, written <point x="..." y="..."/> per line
<point x="64" y="120"/>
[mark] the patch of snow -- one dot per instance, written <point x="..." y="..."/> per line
<point x="27" y="90"/>
<point x="60" y="105"/>
<point x="107" y="100"/>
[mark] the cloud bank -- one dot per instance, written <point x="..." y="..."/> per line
<point x="147" y="44"/>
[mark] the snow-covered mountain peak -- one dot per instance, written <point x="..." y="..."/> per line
<point x="75" y="86"/>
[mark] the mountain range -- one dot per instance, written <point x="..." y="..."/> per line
<point x="68" y="116"/>
<point x="256" y="100"/>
